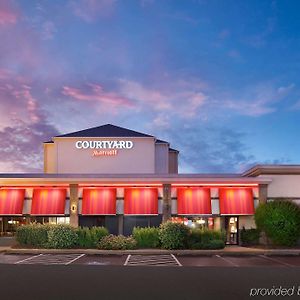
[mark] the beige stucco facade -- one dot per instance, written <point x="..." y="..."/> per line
<point x="285" y="185"/>
<point x="145" y="157"/>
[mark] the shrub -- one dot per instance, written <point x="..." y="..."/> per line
<point x="84" y="237"/>
<point x="97" y="233"/>
<point x="89" y="237"/>
<point x="117" y="242"/>
<point x="62" y="236"/>
<point x="173" y="235"/>
<point x="280" y="220"/>
<point x="33" y="234"/>
<point x="206" y="239"/>
<point x="147" y="237"/>
<point x="214" y="244"/>
<point x="250" y="237"/>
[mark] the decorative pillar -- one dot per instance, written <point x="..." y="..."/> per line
<point x="167" y="201"/>
<point x="74" y="205"/>
<point x="262" y="193"/>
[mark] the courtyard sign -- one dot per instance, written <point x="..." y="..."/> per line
<point x="104" y="148"/>
<point x="110" y="145"/>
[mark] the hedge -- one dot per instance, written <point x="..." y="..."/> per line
<point x="206" y="239"/>
<point x="173" y="235"/>
<point x="250" y="237"/>
<point x="280" y="220"/>
<point x="90" y="237"/>
<point x="168" y="236"/>
<point x="117" y="242"/>
<point x="62" y="236"/>
<point x="146" y="237"/>
<point x="35" y="235"/>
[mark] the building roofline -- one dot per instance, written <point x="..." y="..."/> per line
<point x="93" y="132"/>
<point x="158" y="141"/>
<point x="272" y="169"/>
<point x="186" y="179"/>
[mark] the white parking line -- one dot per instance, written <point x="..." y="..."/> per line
<point x="175" y="258"/>
<point x="152" y="260"/>
<point x="71" y="261"/>
<point x="127" y="260"/>
<point x="29" y="258"/>
<point x="276" y="260"/>
<point x="227" y="260"/>
<point x="51" y="259"/>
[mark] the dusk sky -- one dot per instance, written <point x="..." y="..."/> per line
<point x="219" y="80"/>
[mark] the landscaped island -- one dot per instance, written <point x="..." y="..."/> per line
<point x="168" y="236"/>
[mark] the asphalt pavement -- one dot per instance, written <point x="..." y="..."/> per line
<point x="79" y="281"/>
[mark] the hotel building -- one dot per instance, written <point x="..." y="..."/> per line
<point x="119" y="178"/>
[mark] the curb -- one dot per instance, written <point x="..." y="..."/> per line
<point x="270" y="252"/>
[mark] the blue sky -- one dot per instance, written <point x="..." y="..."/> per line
<point x="218" y="79"/>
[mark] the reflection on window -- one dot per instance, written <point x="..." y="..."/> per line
<point x="195" y="222"/>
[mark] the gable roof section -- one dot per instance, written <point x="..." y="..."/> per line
<point x="160" y="142"/>
<point x="107" y="130"/>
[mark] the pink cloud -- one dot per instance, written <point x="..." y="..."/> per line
<point x="183" y="100"/>
<point x="96" y="94"/>
<point x="90" y="10"/>
<point x="17" y="100"/>
<point x="23" y="124"/>
<point x="8" y="15"/>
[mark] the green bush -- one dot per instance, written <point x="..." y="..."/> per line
<point x="35" y="234"/>
<point x="280" y="220"/>
<point x="84" y="237"/>
<point x="97" y="233"/>
<point x="206" y="239"/>
<point x="62" y="236"/>
<point x="117" y="242"/>
<point x="147" y="237"/>
<point x="173" y="235"/>
<point x="214" y="244"/>
<point x="89" y="237"/>
<point x="250" y="237"/>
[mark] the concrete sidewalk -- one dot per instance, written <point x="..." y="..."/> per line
<point x="229" y="250"/>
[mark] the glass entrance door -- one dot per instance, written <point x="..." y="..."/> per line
<point x="231" y="227"/>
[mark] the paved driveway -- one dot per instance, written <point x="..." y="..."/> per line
<point x="85" y="282"/>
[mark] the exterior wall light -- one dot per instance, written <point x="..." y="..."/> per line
<point x="74" y="208"/>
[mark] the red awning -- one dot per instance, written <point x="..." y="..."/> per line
<point x="48" y="202"/>
<point x="11" y="202"/>
<point x="141" y="201"/>
<point x="236" y="201"/>
<point x="193" y="201"/>
<point x="99" y="201"/>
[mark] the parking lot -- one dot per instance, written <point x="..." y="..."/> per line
<point x="162" y="260"/>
